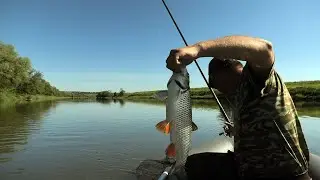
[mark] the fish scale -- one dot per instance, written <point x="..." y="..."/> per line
<point x="178" y="117"/>
<point x="182" y="127"/>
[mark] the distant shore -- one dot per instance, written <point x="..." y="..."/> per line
<point x="306" y="91"/>
<point x="304" y="108"/>
<point x="302" y="91"/>
<point x="8" y="99"/>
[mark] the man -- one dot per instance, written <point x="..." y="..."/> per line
<point x="269" y="142"/>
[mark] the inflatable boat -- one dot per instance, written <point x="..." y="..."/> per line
<point x="157" y="169"/>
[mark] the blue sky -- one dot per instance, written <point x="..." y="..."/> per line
<point x="97" y="45"/>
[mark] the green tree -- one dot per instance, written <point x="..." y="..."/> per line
<point x="104" y="94"/>
<point x="17" y="74"/>
<point x="122" y="92"/>
<point x="13" y="69"/>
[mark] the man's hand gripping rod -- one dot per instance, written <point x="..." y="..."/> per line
<point x="227" y="122"/>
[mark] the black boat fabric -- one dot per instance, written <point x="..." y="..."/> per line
<point x="220" y="166"/>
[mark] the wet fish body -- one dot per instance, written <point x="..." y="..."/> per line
<point x="178" y="120"/>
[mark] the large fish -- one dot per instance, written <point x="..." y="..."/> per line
<point x="178" y="120"/>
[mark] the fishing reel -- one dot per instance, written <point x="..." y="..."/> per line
<point x="228" y="130"/>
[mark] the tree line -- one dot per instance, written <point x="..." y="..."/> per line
<point x="17" y="75"/>
<point x="110" y="94"/>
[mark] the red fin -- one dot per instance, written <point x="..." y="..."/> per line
<point x="171" y="150"/>
<point x="163" y="126"/>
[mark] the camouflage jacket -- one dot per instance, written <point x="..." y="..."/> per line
<point x="268" y="137"/>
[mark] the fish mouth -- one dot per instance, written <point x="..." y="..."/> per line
<point x="181" y="79"/>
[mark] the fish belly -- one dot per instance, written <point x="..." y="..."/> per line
<point x="171" y="113"/>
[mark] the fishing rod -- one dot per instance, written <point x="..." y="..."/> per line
<point x="165" y="173"/>
<point x="212" y="92"/>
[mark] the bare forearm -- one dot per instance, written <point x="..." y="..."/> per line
<point x="245" y="48"/>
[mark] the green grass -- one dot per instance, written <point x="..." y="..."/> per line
<point x="303" y="108"/>
<point x="196" y="103"/>
<point x="300" y="91"/>
<point x="8" y="98"/>
<point x="309" y="84"/>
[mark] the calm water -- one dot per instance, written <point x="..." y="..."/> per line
<point x="99" y="140"/>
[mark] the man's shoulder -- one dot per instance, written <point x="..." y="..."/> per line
<point x="264" y="95"/>
<point x="250" y="81"/>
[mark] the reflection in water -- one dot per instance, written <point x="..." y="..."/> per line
<point x="303" y="108"/>
<point x="17" y="122"/>
<point x="308" y="109"/>
<point x="115" y="101"/>
<point x="122" y="103"/>
<point x="104" y="101"/>
<point x="98" y="139"/>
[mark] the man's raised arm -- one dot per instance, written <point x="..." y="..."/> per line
<point x="257" y="52"/>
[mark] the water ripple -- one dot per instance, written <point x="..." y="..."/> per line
<point x="73" y="140"/>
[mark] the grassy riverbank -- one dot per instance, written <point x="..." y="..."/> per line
<point x="8" y="98"/>
<point x="303" y="108"/>
<point x="300" y="91"/>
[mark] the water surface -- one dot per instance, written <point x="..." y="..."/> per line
<point x="100" y="140"/>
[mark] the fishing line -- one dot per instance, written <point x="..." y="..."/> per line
<point x="205" y="79"/>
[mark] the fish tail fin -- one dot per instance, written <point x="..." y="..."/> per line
<point x="163" y="126"/>
<point x="171" y="151"/>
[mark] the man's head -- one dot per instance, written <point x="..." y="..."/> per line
<point x="224" y="75"/>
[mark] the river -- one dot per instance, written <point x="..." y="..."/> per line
<point x="81" y="139"/>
